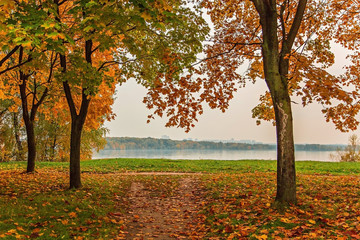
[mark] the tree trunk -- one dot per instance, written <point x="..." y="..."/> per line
<point x="30" y="135"/>
<point x="275" y="71"/>
<point x="31" y="143"/>
<point x="75" y="144"/>
<point x="77" y="120"/>
<point x="19" y="155"/>
<point x="52" y="150"/>
<point x="29" y="125"/>
<point x="77" y="125"/>
<point x="29" y="118"/>
<point x="286" y="175"/>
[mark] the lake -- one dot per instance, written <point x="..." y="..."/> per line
<point x="211" y="154"/>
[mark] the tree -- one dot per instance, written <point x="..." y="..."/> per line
<point x="39" y="92"/>
<point x="150" y="40"/>
<point x="352" y="151"/>
<point x="33" y="82"/>
<point x="32" y="33"/>
<point x="294" y="40"/>
<point x="287" y="44"/>
<point x="28" y="59"/>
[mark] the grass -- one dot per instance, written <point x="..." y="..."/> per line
<point x="237" y="203"/>
<point x="205" y="166"/>
<point x="40" y="206"/>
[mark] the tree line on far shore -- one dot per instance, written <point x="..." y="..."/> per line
<point x="122" y="143"/>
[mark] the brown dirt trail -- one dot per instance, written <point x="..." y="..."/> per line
<point x="153" y="215"/>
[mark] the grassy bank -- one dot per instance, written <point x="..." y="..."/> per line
<point x="236" y="200"/>
<point x="205" y="166"/>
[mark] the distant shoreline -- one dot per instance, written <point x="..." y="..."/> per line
<point x="132" y="143"/>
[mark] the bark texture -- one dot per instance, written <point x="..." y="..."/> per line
<point x="276" y="69"/>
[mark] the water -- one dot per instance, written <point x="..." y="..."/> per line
<point x="211" y="154"/>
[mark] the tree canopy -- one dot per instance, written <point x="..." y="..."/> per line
<point x="97" y="44"/>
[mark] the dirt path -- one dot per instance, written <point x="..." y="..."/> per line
<point x="155" y="216"/>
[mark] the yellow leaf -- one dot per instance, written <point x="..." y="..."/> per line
<point x="64" y="222"/>
<point x="262" y="237"/>
<point x="26" y="44"/>
<point x="312" y="221"/>
<point x="146" y="16"/>
<point x="12" y="231"/>
<point x="72" y="215"/>
<point x="285" y="220"/>
<point x="167" y="7"/>
<point x="18" y="236"/>
<point x="61" y="36"/>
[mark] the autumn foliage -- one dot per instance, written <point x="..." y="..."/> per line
<point x="80" y="50"/>
<point x="288" y="45"/>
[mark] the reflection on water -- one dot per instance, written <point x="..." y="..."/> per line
<point x="211" y="154"/>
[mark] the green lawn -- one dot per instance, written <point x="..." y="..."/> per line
<point x="236" y="204"/>
<point x="206" y="166"/>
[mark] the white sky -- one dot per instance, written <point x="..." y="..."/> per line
<point x="309" y="123"/>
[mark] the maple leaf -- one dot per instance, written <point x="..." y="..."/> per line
<point x="64" y="222"/>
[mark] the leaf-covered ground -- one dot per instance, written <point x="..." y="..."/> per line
<point x="181" y="206"/>
<point x="239" y="206"/>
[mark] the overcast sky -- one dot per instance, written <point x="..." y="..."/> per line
<point x="236" y="123"/>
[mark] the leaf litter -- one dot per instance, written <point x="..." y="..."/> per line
<point x="166" y="211"/>
<point x="176" y="206"/>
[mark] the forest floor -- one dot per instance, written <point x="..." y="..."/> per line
<point x="212" y="204"/>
